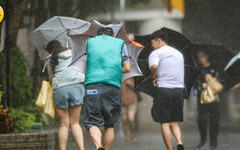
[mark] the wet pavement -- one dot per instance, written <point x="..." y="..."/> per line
<point x="229" y="139"/>
<point x="149" y="135"/>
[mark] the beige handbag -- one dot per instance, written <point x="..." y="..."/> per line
<point x="207" y="96"/>
<point x="214" y="84"/>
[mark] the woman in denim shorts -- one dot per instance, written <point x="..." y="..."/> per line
<point x="68" y="92"/>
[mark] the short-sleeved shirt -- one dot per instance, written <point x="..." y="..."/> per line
<point x="125" y="56"/>
<point x="170" y="62"/>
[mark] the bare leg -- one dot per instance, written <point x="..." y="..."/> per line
<point x="167" y="135"/>
<point x="131" y="118"/>
<point x="176" y="132"/>
<point x="96" y="136"/>
<point x="76" y="128"/>
<point x="63" y="129"/>
<point x="125" y="127"/>
<point x="108" y="138"/>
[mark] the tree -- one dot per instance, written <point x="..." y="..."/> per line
<point x="21" y="85"/>
<point x="14" y="11"/>
<point x="41" y="15"/>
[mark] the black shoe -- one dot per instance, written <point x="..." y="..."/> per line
<point x="201" y="144"/>
<point x="101" y="148"/>
<point x="180" y="147"/>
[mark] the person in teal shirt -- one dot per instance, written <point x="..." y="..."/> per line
<point x="107" y="59"/>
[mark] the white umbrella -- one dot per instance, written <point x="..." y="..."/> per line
<point x="56" y="28"/>
<point x="78" y="44"/>
<point x="232" y="61"/>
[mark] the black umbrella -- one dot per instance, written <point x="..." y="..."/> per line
<point x="219" y="57"/>
<point x="176" y="40"/>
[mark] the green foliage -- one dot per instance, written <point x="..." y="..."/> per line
<point x="2" y="2"/>
<point x="25" y="120"/>
<point x="20" y="83"/>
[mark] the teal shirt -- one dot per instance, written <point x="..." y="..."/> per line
<point x="104" y="60"/>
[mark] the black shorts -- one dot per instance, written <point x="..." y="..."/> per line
<point x="102" y="105"/>
<point x="168" y="105"/>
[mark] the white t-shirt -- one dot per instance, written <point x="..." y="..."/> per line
<point x="170" y="72"/>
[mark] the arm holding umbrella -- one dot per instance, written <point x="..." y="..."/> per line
<point x="126" y="67"/>
<point x="153" y="75"/>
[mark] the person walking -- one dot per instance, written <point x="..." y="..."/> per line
<point x="68" y="93"/>
<point x="208" y="114"/>
<point x="107" y="59"/>
<point x="167" y="74"/>
<point x="129" y="108"/>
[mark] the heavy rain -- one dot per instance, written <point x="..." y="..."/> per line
<point x="119" y="74"/>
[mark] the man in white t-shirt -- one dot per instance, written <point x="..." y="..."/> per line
<point x="167" y="74"/>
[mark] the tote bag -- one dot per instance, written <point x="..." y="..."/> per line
<point x="45" y="99"/>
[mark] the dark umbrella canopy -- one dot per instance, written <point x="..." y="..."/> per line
<point x="176" y="40"/>
<point x="219" y="56"/>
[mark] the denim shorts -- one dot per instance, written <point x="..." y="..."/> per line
<point x="102" y="106"/>
<point x="71" y="95"/>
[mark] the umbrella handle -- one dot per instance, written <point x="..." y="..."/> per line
<point x="141" y="82"/>
<point x="44" y="67"/>
<point x="67" y="44"/>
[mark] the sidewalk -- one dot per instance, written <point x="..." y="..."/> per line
<point x="228" y="140"/>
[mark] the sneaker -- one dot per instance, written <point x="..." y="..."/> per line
<point x="180" y="147"/>
<point x="101" y="148"/>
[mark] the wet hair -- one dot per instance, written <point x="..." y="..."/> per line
<point x="54" y="47"/>
<point x="105" y="30"/>
<point x="161" y="34"/>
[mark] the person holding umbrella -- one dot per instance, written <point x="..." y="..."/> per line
<point x="208" y="114"/>
<point x="107" y="59"/>
<point x="167" y="74"/>
<point x="68" y="92"/>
